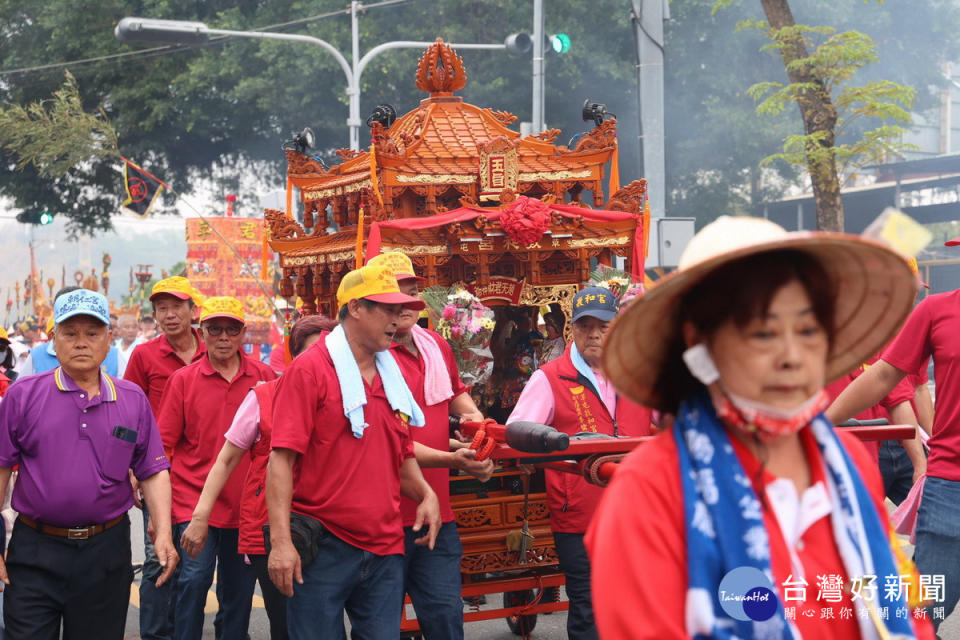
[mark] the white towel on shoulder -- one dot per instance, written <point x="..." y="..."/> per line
<point x="351" y="384"/>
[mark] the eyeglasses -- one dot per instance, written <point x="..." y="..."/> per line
<point x="216" y="329"/>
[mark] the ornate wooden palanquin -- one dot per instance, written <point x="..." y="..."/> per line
<point x="449" y="155"/>
<point x="439" y="184"/>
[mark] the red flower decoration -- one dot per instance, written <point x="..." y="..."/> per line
<point x="525" y="219"/>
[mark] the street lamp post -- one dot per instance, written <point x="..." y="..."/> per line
<point x="134" y="29"/>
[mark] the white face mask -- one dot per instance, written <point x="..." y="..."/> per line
<point x="774" y="413"/>
<point x="744" y="414"/>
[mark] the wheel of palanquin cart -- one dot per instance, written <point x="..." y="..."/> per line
<point x="520" y="625"/>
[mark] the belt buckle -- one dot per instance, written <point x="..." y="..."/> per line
<point x="78" y="533"/>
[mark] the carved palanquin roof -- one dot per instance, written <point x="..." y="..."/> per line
<point x="440" y="142"/>
<point x="445" y="135"/>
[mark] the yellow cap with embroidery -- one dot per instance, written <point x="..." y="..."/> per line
<point x="176" y="286"/>
<point x="4" y="335"/>
<point x="222" y="307"/>
<point x="375" y="283"/>
<point x="397" y="262"/>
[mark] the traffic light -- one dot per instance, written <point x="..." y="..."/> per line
<point x="559" y="42"/>
<point x="35" y="217"/>
<point x="519" y="43"/>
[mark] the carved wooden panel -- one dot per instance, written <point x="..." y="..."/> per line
<point x="536" y="510"/>
<point x="485" y="562"/>
<point x="505" y="268"/>
<point x="558" y="267"/>
<point x="477" y="516"/>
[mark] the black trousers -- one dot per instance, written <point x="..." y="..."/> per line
<point x="274" y="601"/>
<point x="575" y="565"/>
<point x="82" y="584"/>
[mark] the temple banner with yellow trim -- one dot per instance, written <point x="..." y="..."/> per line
<point x="215" y="270"/>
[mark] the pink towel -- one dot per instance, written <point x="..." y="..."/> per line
<point x="436" y="383"/>
<point x="904" y="517"/>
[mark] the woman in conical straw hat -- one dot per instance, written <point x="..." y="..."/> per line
<point x="752" y="517"/>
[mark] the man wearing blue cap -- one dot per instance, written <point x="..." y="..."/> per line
<point x="572" y="395"/>
<point x="75" y="433"/>
<point x="43" y="357"/>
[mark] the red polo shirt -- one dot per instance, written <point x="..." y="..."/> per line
<point x="436" y="433"/>
<point x="933" y="329"/>
<point x="901" y="393"/>
<point x="198" y="407"/>
<point x="350" y="484"/>
<point x="151" y="365"/>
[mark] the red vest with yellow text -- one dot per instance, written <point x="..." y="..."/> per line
<point x="253" y="499"/>
<point x="577" y="407"/>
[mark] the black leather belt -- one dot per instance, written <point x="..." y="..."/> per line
<point x="73" y="533"/>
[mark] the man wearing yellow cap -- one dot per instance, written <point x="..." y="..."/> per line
<point x="432" y="577"/>
<point x="150" y="366"/>
<point x="198" y="407"/>
<point x="342" y="427"/>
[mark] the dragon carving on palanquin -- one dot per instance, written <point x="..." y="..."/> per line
<point x="384" y="144"/>
<point x="629" y="198"/>
<point x="602" y="137"/>
<point x="281" y="226"/>
<point x="347" y="154"/>
<point x="440" y="69"/>
<point x="298" y="164"/>
<point x="504" y="117"/>
<point x="548" y="135"/>
<point x="500" y="144"/>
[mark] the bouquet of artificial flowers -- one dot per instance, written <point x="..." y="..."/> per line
<point x="467" y="325"/>
<point x="619" y="282"/>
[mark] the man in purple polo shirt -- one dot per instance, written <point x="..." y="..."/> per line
<point x="75" y="432"/>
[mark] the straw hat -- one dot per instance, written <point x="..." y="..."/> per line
<point x="876" y="293"/>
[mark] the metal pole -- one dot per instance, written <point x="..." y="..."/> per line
<point x="647" y="17"/>
<point x="133" y="29"/>
<point x="537" y="116"/>
<point x="353" y="89"/>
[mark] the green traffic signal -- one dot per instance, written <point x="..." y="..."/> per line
<point x="560" y="43"/>
<point x="35" y="217"/>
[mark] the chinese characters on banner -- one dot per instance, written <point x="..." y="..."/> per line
<point x="498" y="290"/>
<point x="215" y="271"/>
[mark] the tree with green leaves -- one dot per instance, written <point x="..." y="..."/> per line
<point x="721" y="158"/>
<point x="218" y="113"/>
<point x="820" y="63"/>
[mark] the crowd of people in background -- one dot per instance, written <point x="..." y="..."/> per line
<point x="323" y="474"/>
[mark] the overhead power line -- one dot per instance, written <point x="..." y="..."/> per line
<point x="171" y="49"/>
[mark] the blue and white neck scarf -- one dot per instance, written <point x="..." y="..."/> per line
<point x="582" y="367"/>
<point x="725" y="528"/>
<point x="351" y="384"/>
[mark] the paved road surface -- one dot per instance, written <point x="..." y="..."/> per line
<point x="551" y="627"/>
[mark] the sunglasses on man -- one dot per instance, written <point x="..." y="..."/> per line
<point x="215" y="330"/>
